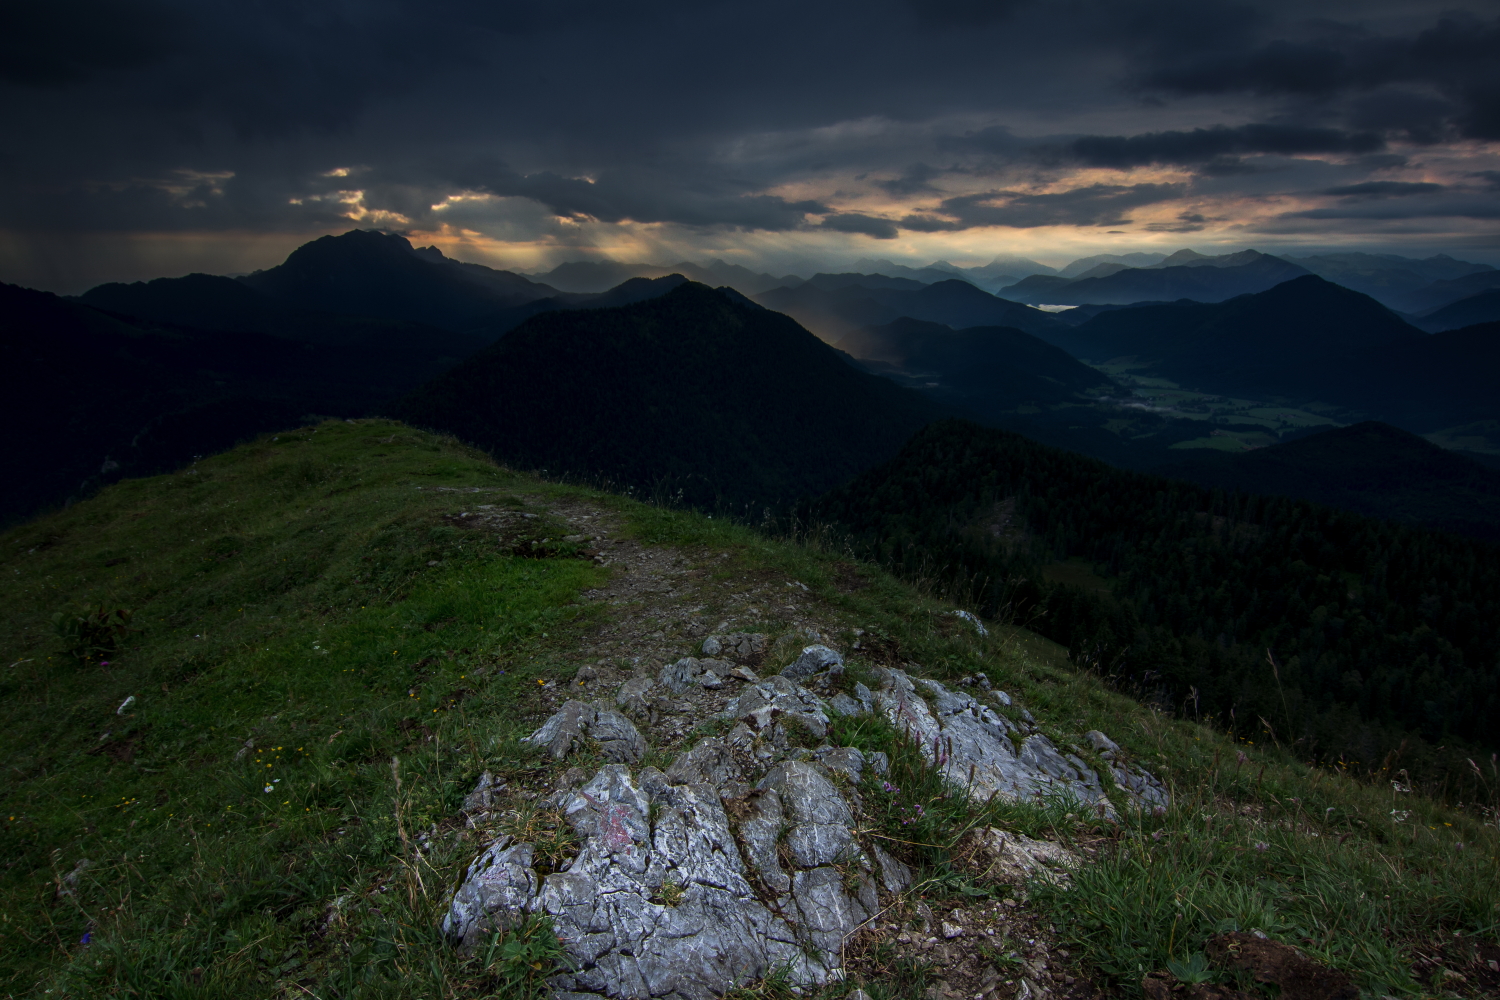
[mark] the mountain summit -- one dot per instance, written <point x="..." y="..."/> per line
<point x="380" y="274"/>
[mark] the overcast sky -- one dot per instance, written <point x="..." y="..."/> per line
<point x="146" y="138"/>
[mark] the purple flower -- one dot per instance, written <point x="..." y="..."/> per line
<point x="87" y="937"/>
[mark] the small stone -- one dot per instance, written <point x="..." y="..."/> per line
<point x="815" y="660"/>
<point x="845" y="705"/>
<point x="878" y="761"/>
<point x="712" y="646"/>
<point x="632" y="695"/>
<point x="1100" y="742"/>
<point x="678" y="677"/>
<point x="951" y="931"/>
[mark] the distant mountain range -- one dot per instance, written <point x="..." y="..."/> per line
<point x="1407" y="284"/>
<point x="135" y="378"/>
<point x="1403" y="283"/>
<point x="698" y="393"/>
<point x="1184" y="275"/>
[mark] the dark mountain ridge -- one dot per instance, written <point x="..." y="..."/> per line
<point x="98" y="396"/>
<point x="693" y="391"/>
<point x="1481" y="308"/>
<point x="986" y="370"/>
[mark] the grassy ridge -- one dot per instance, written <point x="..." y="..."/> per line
<point x="280" y="596"/>
<point x="303" y="614"/>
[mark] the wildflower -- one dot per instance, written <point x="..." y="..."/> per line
<point x="270" y="789"/>
<point x="1240" y="758"/>
<point x="1262" y="846"/>
<point x="887" y="786"/>
<point x="1155" y="834"/>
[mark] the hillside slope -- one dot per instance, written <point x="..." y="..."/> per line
<point x="694" y="391"/>
<point x="265" y="783"/>
<point x="1205" y="584"/>
<point x="1370" y="468"/>
<point x="985" y="369"/>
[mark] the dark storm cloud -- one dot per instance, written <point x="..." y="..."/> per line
<point x="646" y="196"/>
<point x="1384" y="189"/>
<point x="854" y="222"/>
<point x="56" y="44"/>
<point x="962" y="13"/>
<point x="1468" y="208"/>
<point x="1459" y="58"/>
<point x="1094" y="205"/>
<point x="917" y="179"/>
<point x="165" y="116"/>
<point x="1202" y="145"/>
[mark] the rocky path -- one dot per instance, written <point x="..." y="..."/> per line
<point x="719" y="834"/>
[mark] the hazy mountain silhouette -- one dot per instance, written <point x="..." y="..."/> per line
<point x="1387" y="278"/>
<point x="1481" y="308"/>
<point x="1371" y="468"/>
<point x="694" y="391"/>
<point x="1196" y="278"/>
<point x="855" y="279"/>
<point x="1084" y="264"/>
<point x="937" y="271"/>
<point x="833" y="315"/>
<point x="1446" y="292"/>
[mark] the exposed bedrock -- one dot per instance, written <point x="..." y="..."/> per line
<point x="745" y="855"/>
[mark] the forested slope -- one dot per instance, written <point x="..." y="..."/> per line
<point x="1383" y="636"/>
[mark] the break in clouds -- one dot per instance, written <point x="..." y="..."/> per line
<point x="147" y="136"/>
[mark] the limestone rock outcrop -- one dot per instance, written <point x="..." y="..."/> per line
<point x="746" y="854"/>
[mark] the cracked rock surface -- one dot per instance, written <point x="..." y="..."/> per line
<point x="986" y="753"/>
<point x="745" y="854"/>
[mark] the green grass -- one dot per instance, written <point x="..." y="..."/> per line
<point x="304" y="617"/>
<point x="290" y="648"/>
